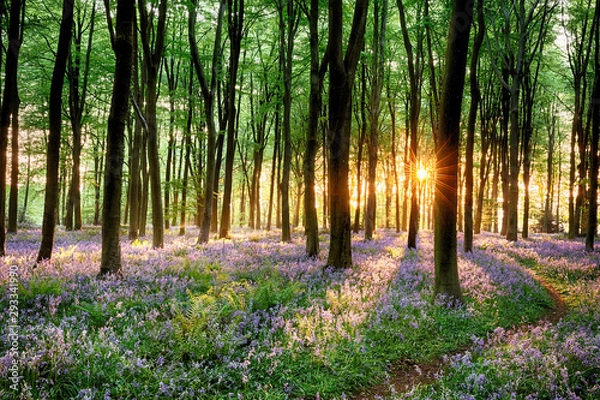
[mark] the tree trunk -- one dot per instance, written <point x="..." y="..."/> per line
<point x="475" y="99"/>
<point x="55" y="119"/>
<point x="77" y="102"/>
<point x="312" y="145"/>
<point x="362" y="135"/>
<point x="115" y="138"/>
<point x="595" y="111"/>
<point x="415" y="78"/>
<point x="10" y="105"/>
<point x="152" y="61"/>
<point x="446" y="280"/>
<point x="208" y="94"/>
<point x="377" y="72"/>
<point x="235" y="17"/>
<point x="341" y="79"/>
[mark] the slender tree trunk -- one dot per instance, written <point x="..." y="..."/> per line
<point x="361" y="144"/>
<point x="208" y="94"/>
<point x="9" y="106"/>
<point x="377" y="71"/>
<point x="312" y="145"/>
<point x="152" y="61"/>
<point x="446" y="280"/>
<point x="415" y="78"/>
<point x="475" y="99"/>
<point x="288" y="23"/>
<point x="55" y="117"/>
<point x="115" y="138"/>
<point x="595" y="111"/>
<point x="235" y="17"/>
<point x="341" y="79"/>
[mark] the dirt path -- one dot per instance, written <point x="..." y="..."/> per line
<point x="404" y="376"/>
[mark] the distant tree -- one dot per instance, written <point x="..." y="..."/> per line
<point x="595" y="110"/>
<point x="288" y="24"/>
<point x="115" y="139"/>
<point x="78" y="76"/>
<point x="235" y="24"/>
<point x="342" y="70"/>
<point x="414" y="54"/>
<point x="446" y="280"/>
<point x="317" y="72"/>
<point x="8" y="108"/>
<point x="153" y="39"/>
<point x="208" y="89"/>
<point x="472" y="119"/>
<point x="55" y="120"/>
<point x="377" y="76"/>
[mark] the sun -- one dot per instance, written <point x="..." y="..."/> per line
<point x="421" y="173"/>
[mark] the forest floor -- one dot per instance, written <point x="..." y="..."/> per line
<point x="253" y="318"/>
<point x="405" y="376"/>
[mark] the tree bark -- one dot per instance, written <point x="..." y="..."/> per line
<point x="377" y="72"/>
<point x="10" y="104"/>
<point x="235" y="17"/>
<point x="208" y="94"/>
<point x="341" y="79"/>
<point x="55" y="119"/>
<point x="595" y="111"/>
<point x="446" y="281"/>
<point x="312" y="144"/>
<point x="152" y="59"/>
<point x="472" y="119"/>
<point x="115" y="138"/>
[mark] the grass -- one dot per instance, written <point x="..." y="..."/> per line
<point x="250" y="318"/>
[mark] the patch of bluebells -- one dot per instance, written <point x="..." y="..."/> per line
<point x="141" y="336"/>
<point x="540" y="361"/>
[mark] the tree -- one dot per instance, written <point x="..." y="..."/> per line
<point x="208" y="90"/>
<point x="8" y="108"/>
<point x="415" y="70"/>
<point x="377" y="72"/>
<point x="472" y="119"/>
<point x="446" y="280"/>
<point x="119" y="108"/>
<point x="595" y="110"/>
<point x="287" y="32"/>
<point x="342" y="70"/>
<point x="235" y="18"/>
<point x="317" y="72"/>
<point x="55" y="122"/>
<point x="78" y="88"/>
<point x="153" y="48"/>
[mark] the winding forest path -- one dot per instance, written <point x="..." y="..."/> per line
<point x="405" y="375"/>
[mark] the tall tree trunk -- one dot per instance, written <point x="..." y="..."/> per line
<point x="115" y="138"/>
<point x="288" y="24"/>
<point x="188" y="149"/>
<point x="446" y="280"/>
<point x="312" y="145"/>
<point x="9" y="106"/>
<point x="152" y="59"/>
<point x="77" y="102"/>
<point x="362" y="135"/>
<point x="13" y="203"/>
<point x="595" y="111"/>
<point x="235" y="17"/>
<point x="135" y="183"/>
<point x="392" y="108"/>
<point x="377" y="71"/>
<point x="415" y="78"/>
<point x="55" y="119"/>
<point x="472" y="119"/>
<point x="341" y="79"/>
<point x="208" y="94"/>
